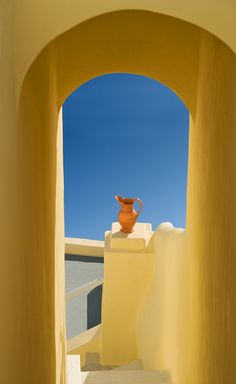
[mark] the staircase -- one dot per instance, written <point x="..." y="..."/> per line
<point x="128" y="261"/>
<point x="129" y="374"/>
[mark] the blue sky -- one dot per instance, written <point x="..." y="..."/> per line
<point x="128" y="135"/>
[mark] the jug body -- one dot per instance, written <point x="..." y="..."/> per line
<point x="127" y="215"/>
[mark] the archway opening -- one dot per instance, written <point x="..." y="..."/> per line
<point x="124" y="134"/>
<point x="150" y="44"/>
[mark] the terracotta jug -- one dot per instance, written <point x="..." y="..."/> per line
<point x="128" y="216"/>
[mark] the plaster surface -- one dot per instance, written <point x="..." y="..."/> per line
<point x="31" y="38"/>
<point x="126" y="275"/>
<point x="136" y="240"/>
<point x="162" y="320"/>
<point x="47" y="57"/>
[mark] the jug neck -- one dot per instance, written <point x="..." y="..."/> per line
<point x="127" y="207"/>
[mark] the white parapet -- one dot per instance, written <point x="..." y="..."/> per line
<point x="137" y="240"/>
<point x="73" y="369"/>
<point x="84" y="247"/>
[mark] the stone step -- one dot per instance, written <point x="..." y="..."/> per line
<point x="132" y="366"/>
<point x="93" y="363"/>
<point x="126" y="377"/>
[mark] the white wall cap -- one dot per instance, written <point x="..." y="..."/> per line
<point x="84" y="247"/>
<point x="167" y="227"/>
<point x="73" y="369"/>
<point x="137" y="240"/>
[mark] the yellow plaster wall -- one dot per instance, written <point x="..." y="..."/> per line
<point x="96" y="47"/>
<point x="163" y="314"/>
<point x="190" y="310"/>
<point x="41" y="349"/>
<point x="127" y="273"/>
<point x="38" y="23"/>
<point x="136" y="42"/>
<point x="60" y="331"/>
<point x="9" y="203"/>
<point x="211" y="215"/>
<point x="187" y="321"/>
<point x="149" y="44"/>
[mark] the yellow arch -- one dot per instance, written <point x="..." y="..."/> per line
<point x="202" y="70"/>
<point x="157" y="46"/>
<point x="36" y="24"/>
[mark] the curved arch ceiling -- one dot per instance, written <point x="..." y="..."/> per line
<point x="138" y="42"/>
<point x="38" y="23"/>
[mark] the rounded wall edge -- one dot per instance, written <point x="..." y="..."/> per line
<point x="31" y="38"/>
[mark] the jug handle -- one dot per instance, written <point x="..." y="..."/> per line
<point x="141" y="206"/>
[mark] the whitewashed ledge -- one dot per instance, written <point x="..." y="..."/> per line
<point x="84" y="247"/>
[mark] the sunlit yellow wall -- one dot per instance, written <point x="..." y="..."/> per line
<point x="59" y="304"/>
<point x="9" y="203"/>
<point x="96" y="47"/>
<point x="190" y="310"/>
<point x="127" y="273"/>
<point x="211" y="214"/>
<point x="138" y="42"/>
<point x="162" y="321"/>
<point x="42" y="337"/>
<point x="153" y="45"/>
<point x="38" y="23"/>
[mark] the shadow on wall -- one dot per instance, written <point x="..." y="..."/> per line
<point x="94" y="307"/>
<point x="84" y="311"/>
<point x="85" y="259"/>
